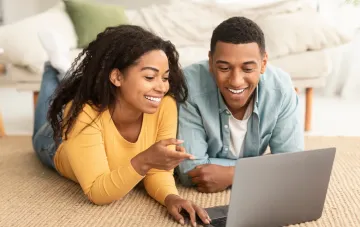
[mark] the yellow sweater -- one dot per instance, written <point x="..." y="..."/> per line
<point x="98" y="157"/>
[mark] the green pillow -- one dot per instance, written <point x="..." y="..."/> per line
<point x="91" y="18"/>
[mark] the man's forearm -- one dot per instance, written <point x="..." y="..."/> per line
<point x="229" y="165"/>
<point x="230" y="171"/>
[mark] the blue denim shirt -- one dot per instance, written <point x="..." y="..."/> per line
<point x="204" y="119"/>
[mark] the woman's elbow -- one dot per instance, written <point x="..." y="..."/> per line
<point x="100" y="201"/>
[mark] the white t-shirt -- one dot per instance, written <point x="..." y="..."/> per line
<point x="238" y="129"/>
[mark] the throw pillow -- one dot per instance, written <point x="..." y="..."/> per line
<point x="91" y="18"/>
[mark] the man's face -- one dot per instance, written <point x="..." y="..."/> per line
<point x="237" y="69"/>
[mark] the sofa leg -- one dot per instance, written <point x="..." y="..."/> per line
<point x="308" y="108"/>
<point x="35" y="96"/>
<point x="2" y="127"/>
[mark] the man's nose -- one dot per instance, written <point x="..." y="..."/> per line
<point x="236" y="80"/>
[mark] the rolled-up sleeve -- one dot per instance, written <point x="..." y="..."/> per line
<point x="288" y="134"/>
<point x="192" y="131"/>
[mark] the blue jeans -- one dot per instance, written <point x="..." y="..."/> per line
<point x="42" y="139"/>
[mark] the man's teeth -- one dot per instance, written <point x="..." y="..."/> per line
<point x="237" y="91"/>
<point x="153" y="98"/>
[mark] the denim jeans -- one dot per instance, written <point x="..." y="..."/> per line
<point x="42" y="139"/>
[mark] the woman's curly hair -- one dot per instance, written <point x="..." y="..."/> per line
<point x="87" y="81"/>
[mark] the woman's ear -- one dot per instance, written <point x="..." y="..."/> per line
<point x="264" y="63"/>
<point x="116" y="77"/>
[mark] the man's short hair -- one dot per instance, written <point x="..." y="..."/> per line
<point x="238" y="30"/>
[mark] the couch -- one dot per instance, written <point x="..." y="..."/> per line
<point x="297" y="38"/>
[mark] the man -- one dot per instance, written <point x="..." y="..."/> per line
<point x="237" y="107"/>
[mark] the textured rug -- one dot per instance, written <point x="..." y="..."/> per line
<point x="32" y="195"/>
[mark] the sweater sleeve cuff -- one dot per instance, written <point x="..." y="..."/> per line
<point x="163" y="192"/>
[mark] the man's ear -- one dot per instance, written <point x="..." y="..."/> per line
<point x="210" y="61"/>
<point x="264" y="63"/>
<point x="116" y="77"/>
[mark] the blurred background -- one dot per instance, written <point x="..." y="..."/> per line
<point x="316" y="41"/>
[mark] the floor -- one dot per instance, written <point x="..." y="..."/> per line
<point x="331" y="116"/>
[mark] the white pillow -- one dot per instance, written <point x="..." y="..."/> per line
<point x="20" y="39"/>
<point x="298" y="32"/>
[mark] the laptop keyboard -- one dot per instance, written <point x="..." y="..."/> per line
<point x="219" y="222"/>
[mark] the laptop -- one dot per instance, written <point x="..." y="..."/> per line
<point x="276" y="190"/>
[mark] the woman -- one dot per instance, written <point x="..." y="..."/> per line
<point x="113" y="119"/>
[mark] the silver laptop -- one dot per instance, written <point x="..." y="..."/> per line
<point x="277" y="190"/>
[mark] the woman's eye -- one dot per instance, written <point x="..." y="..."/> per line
<point x="149" y="77"/>
<point x="165" y="78"/>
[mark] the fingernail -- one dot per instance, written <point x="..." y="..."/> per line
<point x="194" y="224"/>
<point x="180" y="141"/>
<point x="207" y="221"/>
<point x="182" y="221"/>
<point x="192" y="157"/>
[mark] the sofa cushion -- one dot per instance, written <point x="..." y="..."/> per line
<point x="192" y="54"/>
<point x="309" y="65"/>
<point x="290" y="27"/>
<point x="20" y="39"/>
<point x="91" y="18"/>
<point x="301" y="31"/>
<point x="176" y="23"/>
<point x="21" y="74"/>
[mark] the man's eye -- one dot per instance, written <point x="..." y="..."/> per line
<point x="248" y="70"/>
<point x="224" y="68"/>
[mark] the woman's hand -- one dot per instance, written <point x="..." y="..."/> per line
<point x="175" y="204"/>
<point x="159" y="156"/>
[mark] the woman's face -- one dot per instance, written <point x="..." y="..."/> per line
<point x="143" y="85"/>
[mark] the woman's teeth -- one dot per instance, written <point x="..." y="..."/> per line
<point x="153" y="99"/>
<point x="237" y="91"/>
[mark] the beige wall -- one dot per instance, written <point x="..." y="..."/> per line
<point x="18" y="9"/>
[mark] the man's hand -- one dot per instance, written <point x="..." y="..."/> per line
<point x="175" y="204"/>
<point x="212" y="178"/>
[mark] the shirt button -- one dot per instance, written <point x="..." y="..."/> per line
<point x="227" y="112"/>
<point x="226" y="149"/>
<point x="226" y="126"/>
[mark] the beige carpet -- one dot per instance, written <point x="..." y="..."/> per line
<point x="32" y="195"/>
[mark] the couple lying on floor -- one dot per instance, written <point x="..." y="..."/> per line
<point x="126" y="112"/>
